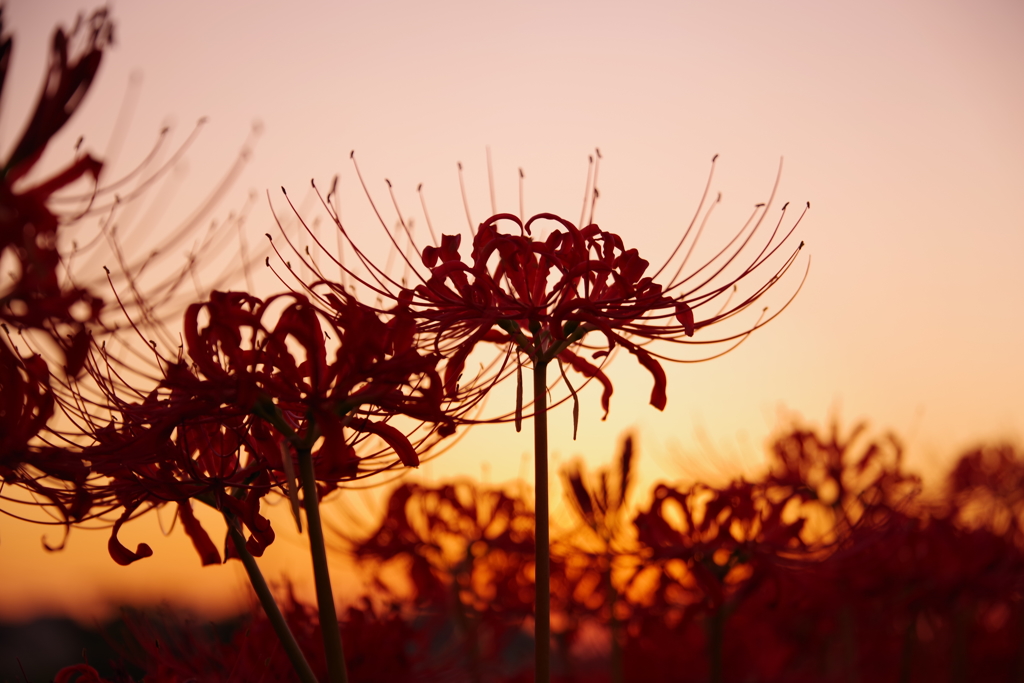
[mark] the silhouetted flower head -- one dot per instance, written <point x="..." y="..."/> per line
<point x="578" y="293"/>
<point x="256" y="380"/>
<point x="36" y="298"/>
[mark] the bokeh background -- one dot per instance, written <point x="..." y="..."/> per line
<point x="898" y="121"/>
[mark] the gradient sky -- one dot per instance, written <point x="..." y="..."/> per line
<point x="900" y="123"/>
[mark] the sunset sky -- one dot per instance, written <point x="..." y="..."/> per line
<point x="901" y="123"/>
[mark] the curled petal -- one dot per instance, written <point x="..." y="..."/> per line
<point x="118" y="552"/>
<point x="457" y="362"/>
<point x="394" y="438"/>
<point x="658" y="396"/>
<point x="684" y="314"/>
<point x="200" y="539"/>
<point x="248" y="511"/>
<point x="588" y="369"/>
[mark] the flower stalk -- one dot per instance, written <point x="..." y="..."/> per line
<point x="270" y="607"/>
<point x="542" y="618"/>
<point x="331" y="633"/>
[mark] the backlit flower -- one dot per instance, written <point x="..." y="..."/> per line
<point x="256" y="381"/>
<point x="35" y="297"/>
<point x="581" y="292"/>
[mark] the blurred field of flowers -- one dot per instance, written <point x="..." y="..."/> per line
<point x="833" y="565"/>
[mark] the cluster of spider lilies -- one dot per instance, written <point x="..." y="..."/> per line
<point x="300" y="391"/>
<point x="829" y="566"/>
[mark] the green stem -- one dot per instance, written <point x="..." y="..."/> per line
<point x="542" y="616"/>
<point x="266" y="598"/>
<point x="329" y="629"/>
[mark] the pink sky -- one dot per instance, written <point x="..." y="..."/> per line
<point x="900" y="122"/>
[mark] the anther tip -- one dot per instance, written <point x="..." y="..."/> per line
<point x="284" y="191"/>
<point x="714" y="158"/>
<point x="808" y="205"/>
<point x="388" y="182"/>
<point x="419" y="187"/>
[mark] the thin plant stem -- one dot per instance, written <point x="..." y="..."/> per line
<point x="270" y="608"/>
<point x="336" y="672"/>
<point x="542" y="616"/>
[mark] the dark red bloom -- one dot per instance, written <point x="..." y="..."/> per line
<point x="546" y="296"/>
<point x="553" y="297"/>
<point x="257" y="380"/>
<point x="28" y="228"/>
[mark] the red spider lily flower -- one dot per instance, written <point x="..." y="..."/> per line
<point x="28" y="228"/>
<point x="451" y="535"/>
<point x="545" y="296"/>
<point x="549" y="297"/>
<point x="54" y="312"/>
<point x="466" y="553"/>
<point x="256" y="380"/>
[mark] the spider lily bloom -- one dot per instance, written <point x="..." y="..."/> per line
<point x="50" y="313"/>
<point x="246" y="387"/>
<point x="464" y="551"/>
<point x="259" y="389"/>
<point x="32" y="296"/>
<point x="28" y="228"/>
<point x="545" y="297"/>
